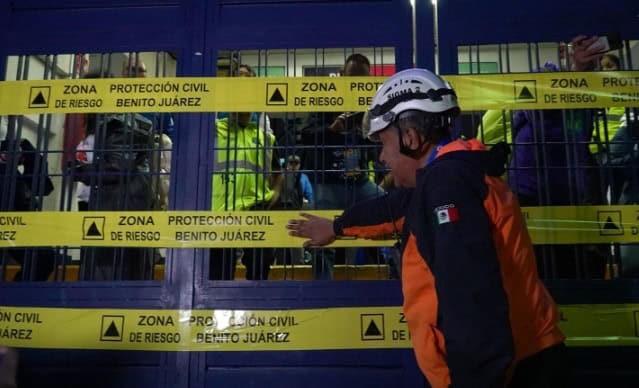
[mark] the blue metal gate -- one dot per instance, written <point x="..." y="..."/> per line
<point x="196" y="31"/>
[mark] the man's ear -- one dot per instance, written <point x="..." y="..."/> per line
<point x="411" y="138"/>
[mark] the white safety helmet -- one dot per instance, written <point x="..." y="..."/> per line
<point x="412" y="89"/>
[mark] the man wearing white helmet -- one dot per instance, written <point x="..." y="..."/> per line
<point x="478" y="314"/>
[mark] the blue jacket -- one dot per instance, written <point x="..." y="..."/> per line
<point x="307" y="189"/>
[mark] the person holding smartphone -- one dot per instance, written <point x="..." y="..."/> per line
<point x="340" y="167"/>
<point x="583" y="52"/>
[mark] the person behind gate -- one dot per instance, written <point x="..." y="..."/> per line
<point x="244" y="174"/>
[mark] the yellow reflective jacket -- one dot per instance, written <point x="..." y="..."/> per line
<point x="242" y="166"/>
<point x="495" y="127"/>
<point x="613" y="120"/>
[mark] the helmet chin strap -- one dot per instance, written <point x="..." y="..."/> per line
<point x="416" y="153"/>
<point x="423" y="149"/>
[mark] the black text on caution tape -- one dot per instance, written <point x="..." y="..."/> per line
<point x="111" y="328"/>
<point x="93" y="228"/>
<point x="372" y="327"/>
<point x="610" y="223"/>
<point x="276" y="94"/>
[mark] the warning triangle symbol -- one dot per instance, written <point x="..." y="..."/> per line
<point x="525" y="94"/>
<point x="112" y="331"/>
<point x="93" y="231"/>
<point x="277" y="96"/>
<point x="372" y="330"/>
<point x="610" y="225"/>
<point x="39" y="100"/>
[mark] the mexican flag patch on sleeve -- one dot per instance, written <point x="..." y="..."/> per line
<point x="446" y="214"/>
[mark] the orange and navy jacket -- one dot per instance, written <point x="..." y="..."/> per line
<point x="473" y="300"/>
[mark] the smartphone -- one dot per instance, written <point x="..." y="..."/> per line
<point x="607" y="43"/>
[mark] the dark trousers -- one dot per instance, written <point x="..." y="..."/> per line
<point x="546" y="369"/>
<point x="222" y="262"/>
<point x="257" y="262"/>
<point x="109" y="264"/>
<point x="35" y="263"/>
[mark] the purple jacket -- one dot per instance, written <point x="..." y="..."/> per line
<point x="551" y="163"/>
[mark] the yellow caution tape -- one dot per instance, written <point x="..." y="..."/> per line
<point x="583" y="224"/>
<point x="547" y="90"/>
<point x="307" y="94"/>
<point x="187" y="95"/>
<point x="261" y="330"/>
<point x="203" y="330"/>
<point x="182" y="229"/>
<point x="266" y="229"/>
<point x="600" y="324"/>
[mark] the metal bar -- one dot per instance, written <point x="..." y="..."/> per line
<point x="258" y="146"/>
<point x="629" y="57"/>
<point x="529" y="57"/>
<point x="40" y="173"/>
<point x="96" y="178"/>
<point x="12" y="166"/>
<point x="37" y="181"/>
<point x="96" y="192"/>
<point x="315" y="152"/>
<point x="75" y="65"/>
<point x="258" y="254"/>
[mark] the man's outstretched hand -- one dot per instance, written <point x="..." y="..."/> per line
<point x="318" y="230"/>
